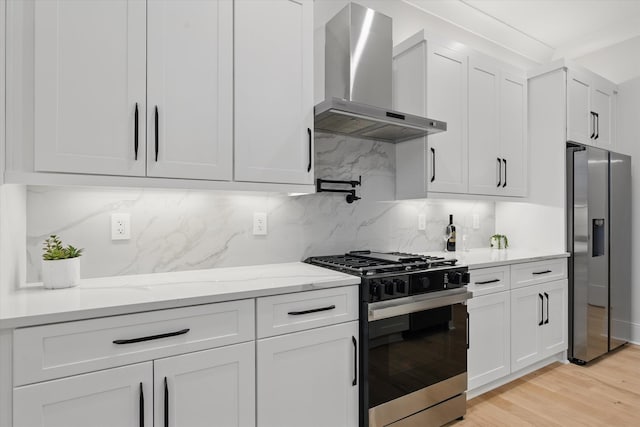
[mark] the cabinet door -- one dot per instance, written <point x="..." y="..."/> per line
<point x="190" y="78"/>
<point x="89" y="79"/>
<point x="207" y="388"/>
<point x="527" y="316"/>
<point x="447" y="161"/>
<point x="580" y="124"/>
<point x="308" y="378"/>
<point x="273" y="51"/>
<point x="602" y="105"/>
<point x="554" y="331"/>
<point x="489" y="338"/>
<point x="113" y="397"/>
<point x="485" y="165"/>
<point x="513" y="134"/>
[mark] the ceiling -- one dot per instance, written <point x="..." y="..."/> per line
<point x="603" y="35"/>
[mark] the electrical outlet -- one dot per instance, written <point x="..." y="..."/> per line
<point x="120" y="226"/>
<point x="476" y="221"/>
<point x="422" y="222"/>
<point x="259" y="223"/>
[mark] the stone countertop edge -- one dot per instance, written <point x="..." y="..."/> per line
<point x="118" y="295"/>
<point x="486" y="258"/>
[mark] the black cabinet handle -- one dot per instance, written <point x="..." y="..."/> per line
<point x="541" y="272"/>
<point x="593" y="125"/>
<point x="141" y="404"/>
<point x="157" y="120"/>
<point x="547" y="296"/>
<point x="499" y="172"/>
<point x="135" y="133"/>
<point x="505" y="173"/>
<point x="468" y="331"/>
<point x="310" y="154"/>
<point x="541" y="310"/>
<point x="355" y="361"/>
<point x="433" y="164"/>
<point x="151" y="337"/>
<point x="486" y="282"/>
<point x="597" y="125"/>
<point x="166" y="403"/>
<point x="313" y="310"/>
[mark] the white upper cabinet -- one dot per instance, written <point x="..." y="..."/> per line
<point x="447" y="101"/>
<point x="590" y="109"/>
<point x="513" y="134"/>
<point x="431" y="81"/>
<point x="497" y="130"/>
<point x="190" y="89"/>
<point x="485" y="165"/>
<point x="274" y="91"/>
<point x="90" y="86"/>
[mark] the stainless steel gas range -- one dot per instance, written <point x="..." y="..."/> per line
<point x="413" y="335"/>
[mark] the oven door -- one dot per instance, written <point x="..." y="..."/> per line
<point x="417" y="354"/>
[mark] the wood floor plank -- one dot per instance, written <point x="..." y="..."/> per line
<point x="606" y="392"/>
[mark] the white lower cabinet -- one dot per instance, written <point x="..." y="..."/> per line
<point x="538" y="322"/>
<point x="309" y="378"/>
<point x="517" y="318"/>
<point x="489" y="338"/>
<point x="212" y="387"/>
<point x="112" y="397"/>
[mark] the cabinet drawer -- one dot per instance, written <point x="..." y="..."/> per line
<point x="59" y="350"/>
<point x="282" y="314"/>
<point x="489" y="280"/>
<point x="531" y="273"/>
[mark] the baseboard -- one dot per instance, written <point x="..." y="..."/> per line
<point x="559" y="357"/>
<point x="634" y="333"/>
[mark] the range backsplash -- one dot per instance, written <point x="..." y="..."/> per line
<point x="187" y="229"/>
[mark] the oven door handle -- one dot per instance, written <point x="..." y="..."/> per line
<point x="413" y="304"/>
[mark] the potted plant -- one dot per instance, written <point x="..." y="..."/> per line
<point x="60" y="265"/>
<point x="499" y="241"/>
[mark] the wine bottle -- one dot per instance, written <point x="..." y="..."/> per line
<point x="451" y="233"/>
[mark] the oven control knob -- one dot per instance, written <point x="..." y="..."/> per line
<point x="401" y="286"/>
<point x="376" y="292"/>
<point x="455" y="278"/>
<point x="388" y="287"/>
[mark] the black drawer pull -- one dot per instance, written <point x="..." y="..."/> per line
<point x="541" y="272"/>
<point x="313" y="310"/>
<point x="486" y="282"/>
<point x="152" y="337"/>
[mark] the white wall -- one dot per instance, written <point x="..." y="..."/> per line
<point x="628" y="141"/>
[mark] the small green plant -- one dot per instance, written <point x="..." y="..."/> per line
<point x="498" y="240"/>
<point x="53" y="249"/>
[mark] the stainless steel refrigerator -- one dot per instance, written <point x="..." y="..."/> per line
<point x="599" y="239"/>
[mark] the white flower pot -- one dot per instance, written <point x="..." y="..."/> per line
<point x="61" y="273"/>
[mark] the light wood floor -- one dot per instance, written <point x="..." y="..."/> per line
<point x="604" y="393"/>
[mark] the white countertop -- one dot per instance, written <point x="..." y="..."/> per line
<point x="110" y="296"/>
<point x="486" y="257"/>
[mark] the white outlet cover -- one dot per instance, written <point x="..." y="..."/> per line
<point x="422" y="222"/>
<point x="120" y="226"/>
<point x="259" y="223"/>
<point x="476" y="221"/>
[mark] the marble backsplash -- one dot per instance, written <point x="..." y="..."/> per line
<point x="175" y="230"/>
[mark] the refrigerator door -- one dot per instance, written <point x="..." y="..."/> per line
<point x="620" y="250"/>
<point x="590" y="258"/>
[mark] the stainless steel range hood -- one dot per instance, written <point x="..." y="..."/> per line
<point x="358" y="81"/>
